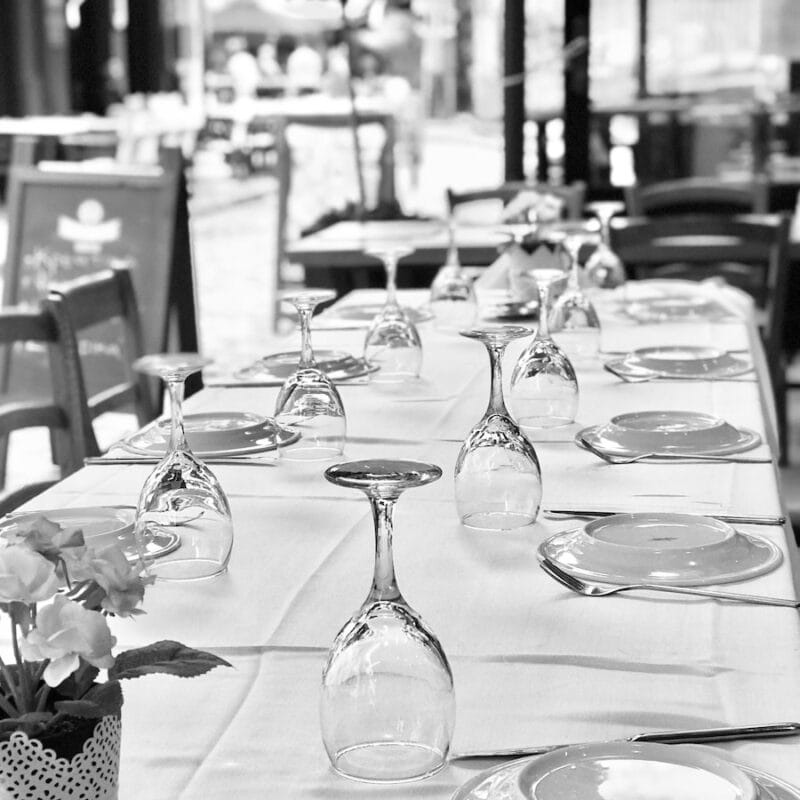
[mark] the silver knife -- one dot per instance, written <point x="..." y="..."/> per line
<point x="730" y="519"/>
<point x="698" y="736"/>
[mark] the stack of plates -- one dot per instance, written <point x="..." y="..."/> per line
<point x="216" y="434"/>
<point x="626" y="771"/>
<point x="277" y="367"/>
<point x="368" y="311"/>
<point x="686" y="362"/>
<point x="669" y="433"/>
<point x="664" y="549"/>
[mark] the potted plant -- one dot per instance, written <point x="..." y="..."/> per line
<point x="60" y="721"/>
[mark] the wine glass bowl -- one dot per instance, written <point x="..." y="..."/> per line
<point x="308" y="399"/>
<point x="452" y="297"/>
<point x="392" y="343"/>
<point x="544" y="387"/>
<point x="604" y="268"/>
<point x="498" y="484"/>
<point x="387" y="705"/>
<point x="183" y="528"/>
<point x="573" y="319"/>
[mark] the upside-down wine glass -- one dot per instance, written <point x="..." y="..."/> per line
<point x="392" y="343"/>
<point x="573" y="319"/>
<point x="544" y="388"/>
<point x="387" y="707"/>
<point x="452" y="297"/>
<point x="308" y="398"/>
<point x="604" y="268"/>
<point x="498" y="480"/>
<point x="182" y="499"/>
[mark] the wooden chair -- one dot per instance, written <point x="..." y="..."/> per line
<point x="103" y="383"/>
<point x="697" y="195"/>
<point x="18" y="412"/>
<point x="573" y="195"/>
<point x="749" y="251"/>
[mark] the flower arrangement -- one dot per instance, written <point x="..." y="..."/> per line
<point x="59" y="593"/>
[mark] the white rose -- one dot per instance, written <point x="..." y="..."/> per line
<point x="25" y="576"/>
<point x="66" y="631"/>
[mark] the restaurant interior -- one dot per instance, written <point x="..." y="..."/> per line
<point x="533" y="261"/>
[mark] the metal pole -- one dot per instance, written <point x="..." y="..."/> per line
<point x="514" y="89"/>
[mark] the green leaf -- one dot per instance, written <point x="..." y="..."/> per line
<point x="76" y="685"/>
<point x="85" y="709"/>
<point x="107" y="695"/>
<point x="171" y="658"/>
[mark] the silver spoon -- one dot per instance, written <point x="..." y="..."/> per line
<point x="593" y="590"/>
<point x="612" y="459"/>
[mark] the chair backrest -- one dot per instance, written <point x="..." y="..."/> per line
<point x="28" y="407"/>
<point x="749" y="251"/>
<point x="572" y="196"/>
<point x="697" y="196"/>
<point x="79" y="305"/>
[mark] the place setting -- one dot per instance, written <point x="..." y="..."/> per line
<point x="680" y="362"/>
<point x="621" y="770"/>
<point x="660" y="436"/>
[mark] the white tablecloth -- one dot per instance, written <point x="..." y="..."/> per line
<point x="532" y="662"/>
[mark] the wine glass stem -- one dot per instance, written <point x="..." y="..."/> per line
<point x="605" y="229"/>
<point x="497" y="404"/>
<point x="574" y="272"/>
<point x="544" y="298"/>
<point x="306" y="351"/>
<point x="452" y="248"/>
<point x="391" y="280"/>
<point x="177" y="435"/>
<point x="384" y="584"/>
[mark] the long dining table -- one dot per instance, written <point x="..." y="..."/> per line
<point x="533" y="663"/>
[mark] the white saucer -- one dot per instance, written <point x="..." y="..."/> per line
<point x="337" y="365"/>
<point x="216" y="434"/>
<point x="101" y="526"/>
<point x="675" y="307"/>
<point x="665" y="549"/>
<point x="682" y="361"/>
<point x="668" y="432"/>
<point x="503" y="781"/>
<point x="368" y="311"/>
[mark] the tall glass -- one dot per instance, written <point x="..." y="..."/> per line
<point x="604" y="268"/>
<point x="387" y="707"/>
<point x="183" y="516"/>
<point x="308" y="398"/>
<point x="452" y="298"/>
<point x="392" y="343"/>
<point x="498" y="481"/>
<point x="544" y="387"/>
<point x="573" y="319"/>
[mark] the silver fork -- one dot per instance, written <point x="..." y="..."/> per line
<point x="612" y="459"/>
<point x="594" y="590"/>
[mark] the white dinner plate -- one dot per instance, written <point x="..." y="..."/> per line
<point x="626" y="770"/>
<point x="216" y="434"/>
<point x="669" y="433"/>
<point x="368" y="311"/>
<point x="337" y="365"/>
<point x="503" y="781"/>
<point x="675" y="308"/>
<point x="685" y="361"/>
<point x="666" y="549"/>
<point x="101" y="526"/>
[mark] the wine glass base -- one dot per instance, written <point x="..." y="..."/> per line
<point x="186" y="569"/>
<point x="388" y="762"/>
<point x="316" y="453"/>
<point x="497" y="520"/>
<point x="539" y="423"/>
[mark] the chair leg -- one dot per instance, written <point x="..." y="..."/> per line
<point x="783" y="425"/>
<point x="3" y="459"/>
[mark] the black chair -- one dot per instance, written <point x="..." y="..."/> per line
<point x="20" y="410"/>
<point x="697" y="196"/>
<point x="749" y="251"/>
<point x="106" y="383"/>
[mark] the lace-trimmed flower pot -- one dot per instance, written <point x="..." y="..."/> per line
<point x="81" y="763"/>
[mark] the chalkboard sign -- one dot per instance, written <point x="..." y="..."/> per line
<point x="68" y="219"/>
